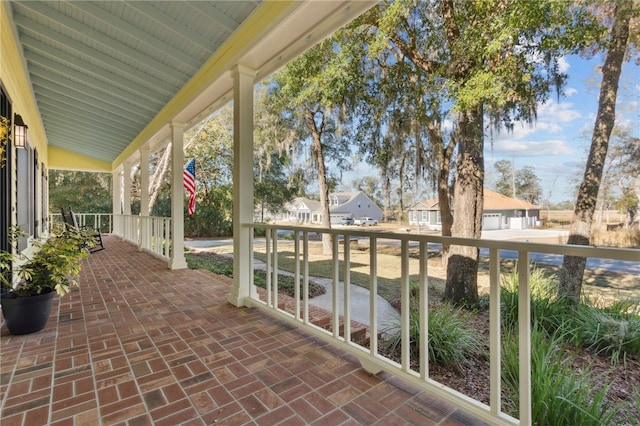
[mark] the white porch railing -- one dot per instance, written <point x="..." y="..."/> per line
<point x="369" y="357"/>
<point x="100" y="221"/>
<point x="150" y="233"/>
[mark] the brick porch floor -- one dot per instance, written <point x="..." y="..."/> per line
<point x="139" y="344"/>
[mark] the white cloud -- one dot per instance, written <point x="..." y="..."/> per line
<point x="511" y="147"/>
<point x="563" y="65"/>
<point x="562" y="112"/>
<point x="570" y="91"/>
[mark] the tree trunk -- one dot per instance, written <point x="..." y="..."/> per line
<point x="462" y="268"/>
<point x="443" y="155"/>
<point x="571" y="274"/>
<point x="318" y="158"/>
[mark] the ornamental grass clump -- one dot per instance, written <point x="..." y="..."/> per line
<point x="544" y="307"/>
<point x="560" y="395"/>
<point x="451" y="341"/>
<point x="612" y="330"/>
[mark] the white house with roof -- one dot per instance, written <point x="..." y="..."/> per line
<point x="300" y="210"/>
<point x="498" y="212"/>
<point x="341" y="204"/>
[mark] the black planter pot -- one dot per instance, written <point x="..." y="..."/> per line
<point x="25" y="315"/>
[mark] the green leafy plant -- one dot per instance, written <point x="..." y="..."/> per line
<point x="544" y="307"/>
<point x="53" y="264"/>
<point x="559" y="394"/>
<point x="613" y="330"/>
<point x="451" y="341"/>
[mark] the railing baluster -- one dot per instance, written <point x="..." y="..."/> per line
<point x="424" y="311"/>
<point x="404" y="310"/>
<point x="253" y="291"/>
<point x="373" y="295"/>
<point x="274" y="281"/>
<point x="305" y="275"/>
<point x="494" y="332"/>
<point x="267" y="251"/>
<point x="524" y="336"/>
<point x="346" y="285"/>
<point x="296" y="274"/>
<point x="336" y="278"/>
<point x="167" y="237"/>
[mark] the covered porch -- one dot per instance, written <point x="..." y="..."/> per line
<point x="141" y="344"/>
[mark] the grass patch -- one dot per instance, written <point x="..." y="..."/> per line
<point x="625" y="237"/>
<point x="388" y="267"/>
<point x="223" y="265"/>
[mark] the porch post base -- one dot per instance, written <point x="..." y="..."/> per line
<point x="178" y="264"/>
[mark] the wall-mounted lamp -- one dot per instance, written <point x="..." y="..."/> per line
<point x="20" y="131"/>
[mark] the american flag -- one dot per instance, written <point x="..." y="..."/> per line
<point x="189" y="177"/>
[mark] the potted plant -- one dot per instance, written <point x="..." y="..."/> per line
<point x="53" y="268"/>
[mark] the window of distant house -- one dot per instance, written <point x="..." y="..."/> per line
<point x="438" y="218"/>
<point x="425" y="216"/>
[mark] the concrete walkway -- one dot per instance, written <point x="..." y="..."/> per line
<point x="387" y="316"/>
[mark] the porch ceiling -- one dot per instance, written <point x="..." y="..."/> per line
<point x="108" y="77"/>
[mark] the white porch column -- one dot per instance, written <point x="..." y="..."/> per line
<point x="126" y="196"/>
<point x="129" y="232"/>
<point x="177" y="260"/>
<point x="242" y="183"/>
<point x="116" y="193"/>
<point x="144" y="181"/>
<point x="145" y="237"/>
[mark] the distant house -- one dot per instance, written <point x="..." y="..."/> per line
<point x="498" y="212"/>
<point x="341" y="204"/>
<point x="300" y="210"/>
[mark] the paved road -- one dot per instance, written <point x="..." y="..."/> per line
<point x="612" y="265"/>
<point x="625" y="267"/>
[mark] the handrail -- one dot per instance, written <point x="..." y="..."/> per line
<point x="369" y="357"/>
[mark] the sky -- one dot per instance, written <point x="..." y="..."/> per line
<point x="556" y="145"/>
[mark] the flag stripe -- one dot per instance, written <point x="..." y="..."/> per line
<point x="189" y="183"/>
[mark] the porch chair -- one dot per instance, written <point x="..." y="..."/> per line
<point x="72" y="220"/>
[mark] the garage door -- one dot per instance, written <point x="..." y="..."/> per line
<point x="491" y="221"/>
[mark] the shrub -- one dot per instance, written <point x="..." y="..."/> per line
<point x="544" y="307"/>
<point x="613" y="330"/>
<point x="451" y="340"/>
<point x="559" y="394"/>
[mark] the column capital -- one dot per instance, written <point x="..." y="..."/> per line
<point x="243" y="70"/>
